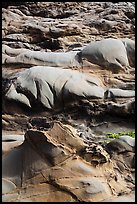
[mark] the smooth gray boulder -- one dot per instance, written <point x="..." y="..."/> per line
<point x="13" y="95"/>
<point x="128" y="139"/>
<point x="26" y="56"/>
<point x="7" y="186"/>
<point x="12" y="137"/>
<point x="109" y="53"/>
<point x="118" y="146"/>
<point x="51" y="86"/>
<point x="41" y="87"/>
<point x="130" y="48"/>
<point x="120" y="93"/>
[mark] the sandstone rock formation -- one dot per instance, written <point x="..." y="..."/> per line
<point x="59" y="161"/>
<point x="61" y="97"/>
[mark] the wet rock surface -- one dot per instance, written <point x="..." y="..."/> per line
<point x="62" y="93"/>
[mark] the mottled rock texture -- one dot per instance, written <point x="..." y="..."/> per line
<point x="59" y="161"/>
<point x="61" y="96"/>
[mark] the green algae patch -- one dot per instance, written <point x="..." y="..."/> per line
<point x="117" y="135"/>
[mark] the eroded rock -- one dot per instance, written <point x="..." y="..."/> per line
<point x="51" y="86"/>
<point x="107" y="53"/>
<point x="54" y="59"/>
<point x="51" y="153"/>
<point x="51" y="164"/>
